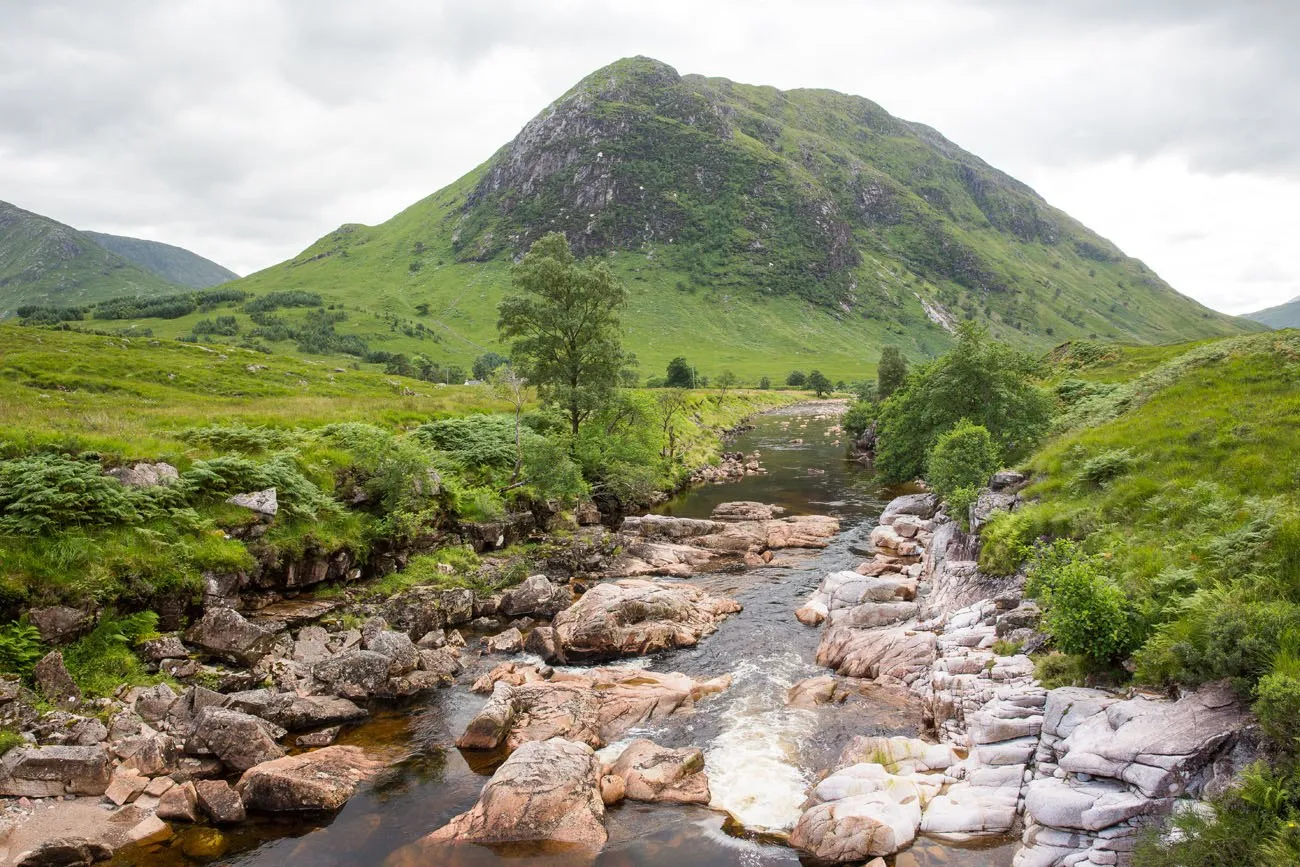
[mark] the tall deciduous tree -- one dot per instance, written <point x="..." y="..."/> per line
<point x="564" y="327"/>
<point x="680" y="374"/>
<point x="818" y="382"/>
<point x="891" y="371"/>
<point x="508" y="385"/>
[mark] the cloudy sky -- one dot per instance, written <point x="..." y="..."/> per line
<point x="245" y="129"/>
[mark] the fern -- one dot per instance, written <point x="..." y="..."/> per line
<point x="20" y="648"/>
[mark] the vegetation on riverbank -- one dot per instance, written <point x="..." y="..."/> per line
<point x="355" y="457"/>
<point x="1161" y="533"/>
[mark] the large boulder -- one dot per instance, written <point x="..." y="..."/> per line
<point x="535" y="597"/>
<point x="894" y="654"/>
<point x="355" y="674"/>
<point x="59" y="623"/>
<point x="659" y="774"/>
<point x="398" y="647"/>
<point x="145" y="475"/>
<point x="297" y="713"/>
<point x="54" y="682"/>
<point x="420" y="610"/>
<point x="220" y="802"/>
<point x="636" y="617"/>
<point x="180" y="803"/>
<point x="237" y="739"/>
<point x="857" y="828"/>
<point x="547" y="791"/>
<point x="321" y="780"/>
<point x="594" y="707"/>
<point x="225" y="634"/>
<point x="923" y="506"/>
<point x="65" y="852"/>
<point x="43" y="772"/>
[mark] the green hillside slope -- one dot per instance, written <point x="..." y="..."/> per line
<point x="1282" y="316"/>
<point x="174" y="264"/>
<point x="45" y="262"/>
<point x="755" y="227"/>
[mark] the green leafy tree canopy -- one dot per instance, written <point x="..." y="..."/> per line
<point x="891" y="371"/>
<point x="818" y="382"/>
<point x="680" y="374"/>
<point x="564" y="327"/>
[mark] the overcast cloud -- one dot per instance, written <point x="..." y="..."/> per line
<point x="246" y="129"/>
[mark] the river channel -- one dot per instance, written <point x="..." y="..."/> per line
<point x="760" y="753"/>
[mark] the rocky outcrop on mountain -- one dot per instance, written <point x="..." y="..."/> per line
<point x="632" y="617"/>
<point x="595" y="706"/>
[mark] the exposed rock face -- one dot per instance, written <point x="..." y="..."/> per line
<point x="66" y="852"/>
<point x="658" y="774"/>
<point x="320" y="780"/>
<point x="594" y="707"/>
<point x="59" y="623"/>
<point x="853" y="599"/>
<point x="145" y="475"/>
<point x="896" y="653"/>
<point x="224" y="633"/>
<point x="633" y="617"/>
<point x="546" y="791"/>
<point x="54" y="682"/>
<point x="262" y="502"/>
<point x="43" y="772"/>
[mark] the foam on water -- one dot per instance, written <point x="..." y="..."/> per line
<point x="753" y="764"/>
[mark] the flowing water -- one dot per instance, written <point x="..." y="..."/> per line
<point x="760" y="753"/>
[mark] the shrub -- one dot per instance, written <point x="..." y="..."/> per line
<point x="765" y="382"/>
<point x="237" y="438"/>
<point x="105" y="660"/>
<point x="891" y="371"/>
<point x="818" y="382"/>
<point x="964" y="457"/>
<point x="10" y="739"/>
<point x="1277" y="705"/>
<point x="475" y="441"/>
<point x="222" y="476"/>
<point x="680" y="374"/>
<point x="860" y="417"/>
<point x="986" y="382"/>
<point x="1085" y="612"/>
<point x="20" y="648"/>
<point x="796" y="379"/>
<point x="1108" y="465"/>
<point x="45" y="493"/>
<point x="959" y="503"/>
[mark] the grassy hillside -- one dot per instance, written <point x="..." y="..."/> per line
<point x="359" y="459"/>
<point x="1282" y="316"/>
<point x="174" y="264"/>
<point x="45" y="262"/>
<point x="758" y="229"/>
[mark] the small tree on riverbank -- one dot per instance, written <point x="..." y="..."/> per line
<point x="891" y="371"/>
<point x="564" y="327"/>
<point x="818" y="382"/>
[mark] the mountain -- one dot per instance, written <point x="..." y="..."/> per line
<point x="174" y="264"/>
<point x="756" y="229"/>
<point x="43" y="261"/>
<point x="1282" y="316"/>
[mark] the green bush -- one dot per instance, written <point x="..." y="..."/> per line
<point x="1277" y="705"/>
<point x="20" y="648"/>
<point x="223" y="476"/>
<point x="1085" y="612"/>
<point x="238" y="438"/>
<point x="963" y="457"/>
<point x="1108" y="465"/>
<point x="105" y="659"/>
<point x="959" y="503"/>
<point x="988" y="383"/>
<point x="46" y="493"/>
<point x="10" y="739"/>
<point x="861" y="415"/>
<point x="474" y="441"/>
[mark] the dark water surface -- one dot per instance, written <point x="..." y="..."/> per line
<point x="760" y="754"/>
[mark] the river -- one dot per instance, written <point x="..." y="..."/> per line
<point x="760" y="754"/>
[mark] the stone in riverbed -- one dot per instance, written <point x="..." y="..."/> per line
<point x="547" y="791"/>
<point x="238" y="739"/>
<point x="224" y="633"/>
<point x="536" y="597"/>
<point x="397" y="647"/>
<point x="299" y="712"/>
<point x="354" y="674"/>
<point x="662" y="775"/>
<point x="320" y="780"/>
<point x="509" y="641"/>
<point x="594" y="706"/>
<point x="180" y="803"/>
<point x="857" y="828"/>
<point x="636" y="617"/>
<point x="65" y="852"/>
<point x="220" y="802"/>
<point x="42" y="772"/>
<point x="898" y="654"/>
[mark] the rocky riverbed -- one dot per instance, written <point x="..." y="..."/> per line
<point x="817" y="673"/>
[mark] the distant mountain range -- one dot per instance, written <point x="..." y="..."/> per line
<point x="43" y="261"/>
<point x="1282" y="316"/>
